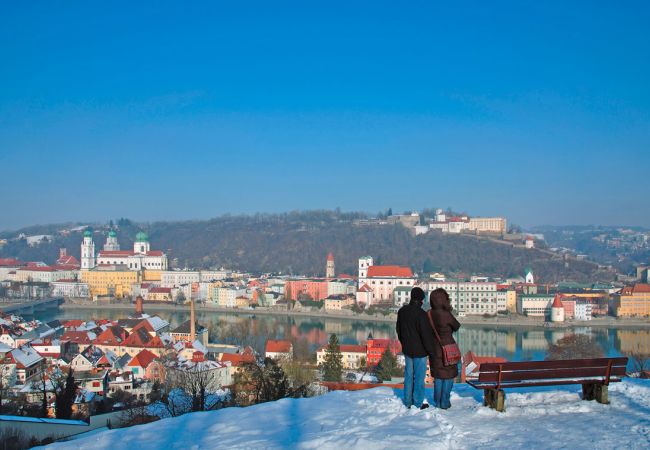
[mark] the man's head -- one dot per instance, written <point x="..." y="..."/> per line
<point x="417" y="296"/>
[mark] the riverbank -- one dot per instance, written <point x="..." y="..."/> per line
<point x="505" y="321"/>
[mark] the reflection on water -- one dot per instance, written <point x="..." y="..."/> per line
<point x="516" y="343"/>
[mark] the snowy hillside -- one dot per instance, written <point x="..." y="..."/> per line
<point x="374" y="419"/>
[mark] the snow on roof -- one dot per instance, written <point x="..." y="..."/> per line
<point x="157" y="323"/>
<point x="26" y="356"/>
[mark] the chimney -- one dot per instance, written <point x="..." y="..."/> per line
<point x="139" y="305"/>
<point x="192" y="322"/>
<point x="63" y="252"/>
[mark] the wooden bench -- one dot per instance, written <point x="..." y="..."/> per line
<point x="593" y="374"/>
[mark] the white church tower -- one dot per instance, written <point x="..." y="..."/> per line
<point x="111" y="242"/>
<point x="530" y="279"/>
<point x="141" y="244"/>
<point x="87" y="251"/>
<point x="364" y="263"/>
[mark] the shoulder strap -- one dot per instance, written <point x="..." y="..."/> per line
<point x="433" y="325"/>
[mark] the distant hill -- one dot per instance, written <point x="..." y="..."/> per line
<point x="298" y="243"/>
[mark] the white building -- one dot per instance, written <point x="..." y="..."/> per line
<point x="401" y="295"/>
<point x="470" y="297"/>
<point x="176" y="278"/>
<point x="70" y="288"/>
<point x="353" y="355"/>
<point x="111" y="242"/>
<point x="45" y="274"/>
<point x="142" y="257"/>
<point x="214" y="275"/>
<point x="337" y="287"/>
<point x="365" y="296"/>
<point x="557" y="310"/>
<point x="383" y="279"/>
<point x="535" y="305"/>
<point x="87" y="251"/>
<point x="529" y="278"/>
<point x="583" y="311"/>
<point x="495" y="225"/>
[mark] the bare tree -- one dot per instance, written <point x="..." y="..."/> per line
<point x="197" y="379"/>
<point x="7" y="380"/>
<point x="575" y="346"/>
<point x="640" y="364"/>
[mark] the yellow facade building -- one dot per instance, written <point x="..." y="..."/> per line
<point x="152" y="275"/>
<point x="511" y="301"/>
<point x="633" y="301"/>
<point x="110" y="280"/>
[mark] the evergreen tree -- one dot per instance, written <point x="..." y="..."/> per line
<point x="332" y="367"/>
<point x="387" y="366"/>
<point x="65" y="402"/>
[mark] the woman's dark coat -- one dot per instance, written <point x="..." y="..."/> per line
<point x="446" y="324"/>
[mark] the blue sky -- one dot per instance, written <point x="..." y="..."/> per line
<point x="539" y="111"/>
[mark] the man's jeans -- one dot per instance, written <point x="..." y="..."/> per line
<point x="441" y="392"/>
<point x="414" y="372"/>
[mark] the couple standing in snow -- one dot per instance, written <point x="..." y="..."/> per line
<point x="424" y="335"/>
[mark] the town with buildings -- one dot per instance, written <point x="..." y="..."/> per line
<point x="137" y="353"/>
<point x="112" y="274"/>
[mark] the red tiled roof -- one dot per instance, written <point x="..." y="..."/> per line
<point x="237" y="359"/>
<point x="115" y="253"/>
<point x="38" y="268"/>
<point x="330" y="257"/>
<point x="365" y="288"/>
<point x="641" y="288"/>
<point x="557" y="302"/>
<point x="160" y="290"/>
<point x="353" y="348"/>
<point x="349" y="348"/>
<point x="278" y="346"/>
<point x="138" y="338"/>
<point x="142" y="359"/>
<point x="10" y="262"/>
<point x="78" y="337"/>
<point x="144" y="324"/>
<point x="114" y="335"/>
<point x="72" y="323"/>
<point x="345" y="276"/>
<point x="390" y="271"/>
<point x="154" y="253"/>
<point x="68" y="260"/>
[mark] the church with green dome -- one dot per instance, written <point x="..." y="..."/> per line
<point x="140" y="258"/>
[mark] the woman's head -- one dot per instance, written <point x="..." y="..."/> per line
<point x="439" y="299"/>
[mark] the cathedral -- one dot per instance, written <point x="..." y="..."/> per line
<point x="141" y="257"/>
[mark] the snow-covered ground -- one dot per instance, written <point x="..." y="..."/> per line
<point x="553" y="417"/>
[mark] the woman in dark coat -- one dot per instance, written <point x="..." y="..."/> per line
<point x="445" y="324"/>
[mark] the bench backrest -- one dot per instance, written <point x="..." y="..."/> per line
<point x="557" y="369"/>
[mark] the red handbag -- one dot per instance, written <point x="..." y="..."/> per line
<point x="450" y="352"/>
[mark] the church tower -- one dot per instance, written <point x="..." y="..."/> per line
<point x="329" y="270"/>
<point x="141" y="244"/>
<point x="364" y="263"/>
<point x="87" y="251"/>
<point x="111" y="242"/>
<point x="530" y="279"/>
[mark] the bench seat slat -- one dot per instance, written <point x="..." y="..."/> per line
<point x="564" y="381"/>
<point x="554" y="364"/>
<point x="519" y="375"/>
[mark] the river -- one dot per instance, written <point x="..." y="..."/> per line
<point x="513" y="343"/>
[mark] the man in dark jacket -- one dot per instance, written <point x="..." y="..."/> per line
<point x="416" y="336"/>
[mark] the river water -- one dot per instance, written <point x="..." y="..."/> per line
<point x="512" y="343"/>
